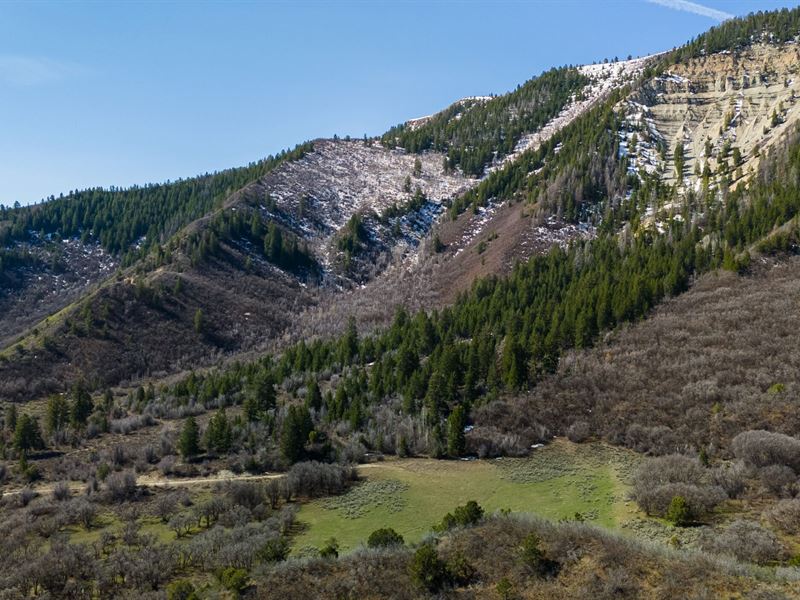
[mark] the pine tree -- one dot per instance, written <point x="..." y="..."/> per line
<point x="218" y="436"/>
<point x="57" y="414"/>
<point x="456" y="441"/>
<point x="435" y="398"/>
<point x="313" y="395"/>
<point x="679" y="158"/>
<point x="349" y="344"/>
<point x="261" y="396"/>
<point x="514" y="363"/>
<point x="82" y="405"/>
<point x="189" y="441"/>
<point x="27" y="435"/>
<point x="199" y="321"/>
<point x="296" y="428"/>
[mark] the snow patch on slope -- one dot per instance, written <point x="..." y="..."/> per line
<point x="605" y="77"/>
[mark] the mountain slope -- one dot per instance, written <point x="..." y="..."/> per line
<point x="363" y="300"/>
<point x="377" y="227"/>
<point x="395" y="196"/>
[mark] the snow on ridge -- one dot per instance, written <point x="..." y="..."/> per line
<point x="420" y="121"/>
<point x="341" y="178"/>
<point x="605" y="77"/>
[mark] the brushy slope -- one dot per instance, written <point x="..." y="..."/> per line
<point x="584" y="562"/>
<point x="720" y="359"/>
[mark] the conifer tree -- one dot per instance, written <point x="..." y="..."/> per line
<point x="218" y="436"/>
<point x="189" y="441"/>
<point x="313" y="395"/>
<point x="27" y="435"/>
<point x="199" y="321"/>
<point x="296" y="428"/>
<point x="82" y="405"/>
<point x="456" y="442"/>
<point x="57" y="414"/>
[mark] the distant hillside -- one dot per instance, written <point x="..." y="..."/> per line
<point x="651" y="150"/>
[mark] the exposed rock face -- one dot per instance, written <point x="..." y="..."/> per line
<point x="743" y="100"/>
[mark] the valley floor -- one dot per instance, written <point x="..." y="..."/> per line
<point x="559" y="481"/>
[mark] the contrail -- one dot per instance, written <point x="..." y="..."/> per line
<point x="693" y="7"/>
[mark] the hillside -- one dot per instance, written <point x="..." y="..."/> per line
<point x="580" y="296"/>
<point x="357" y="208"/>
<point x="715" y="361"/>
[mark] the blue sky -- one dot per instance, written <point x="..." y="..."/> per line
<point x="123" y="93"/>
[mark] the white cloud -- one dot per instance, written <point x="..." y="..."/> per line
<point x="693" y="7"/>
<point x="28" y="70"/>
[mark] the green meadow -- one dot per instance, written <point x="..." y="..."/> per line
<point x="559" y="481"/>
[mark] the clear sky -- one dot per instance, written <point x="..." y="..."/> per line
<point x="122" y="93"/>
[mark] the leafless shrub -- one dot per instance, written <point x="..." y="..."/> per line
<point x="165" y="506"/>
<point x="131" y="533"/>
<point x="236" y="516"/>
<point x="93" y="430"/>
<point x="82" y="511"/>
<point x="314" y="479"/>
<point x="118" y="456"/>
<point x="780" y="480"/>
<point x="619" y="582"/>
<point x="141" y="569"/>
<point x="245" y="493"/>
<point x="764" y="448"/>
<point x="658" y="440"/>
<point x="121" y="486"/>
<point x="61" y="491"/>
<point x="579" y="431"/>
<point x="166" y="465"/>
<point x="130" y="423"/>
<point x="181" y="524"/>
<point x="150" y="454"/>
<point x="487" y="441"/>
<point x="238" y="545"/>
<point x="26" y="496"/>
<point x="166" y="443"/>
<point x="210" y="510"/>
<point x="352" y="453"/>
<point x="62" y="571"/>
<point x="184" y="499"/>
<point x="785" y="515"/>
<point x="272" y="490"/>
<point x="746" y="541"/>
<point x="658" y="480"/>
<point x="730" y="478"/>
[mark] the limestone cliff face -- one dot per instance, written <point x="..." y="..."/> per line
<point x="726" y="109"/>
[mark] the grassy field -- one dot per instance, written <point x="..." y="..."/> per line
<point x="556" y="482"/>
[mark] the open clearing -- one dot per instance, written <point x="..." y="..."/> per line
<point x="555" y="482"/>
